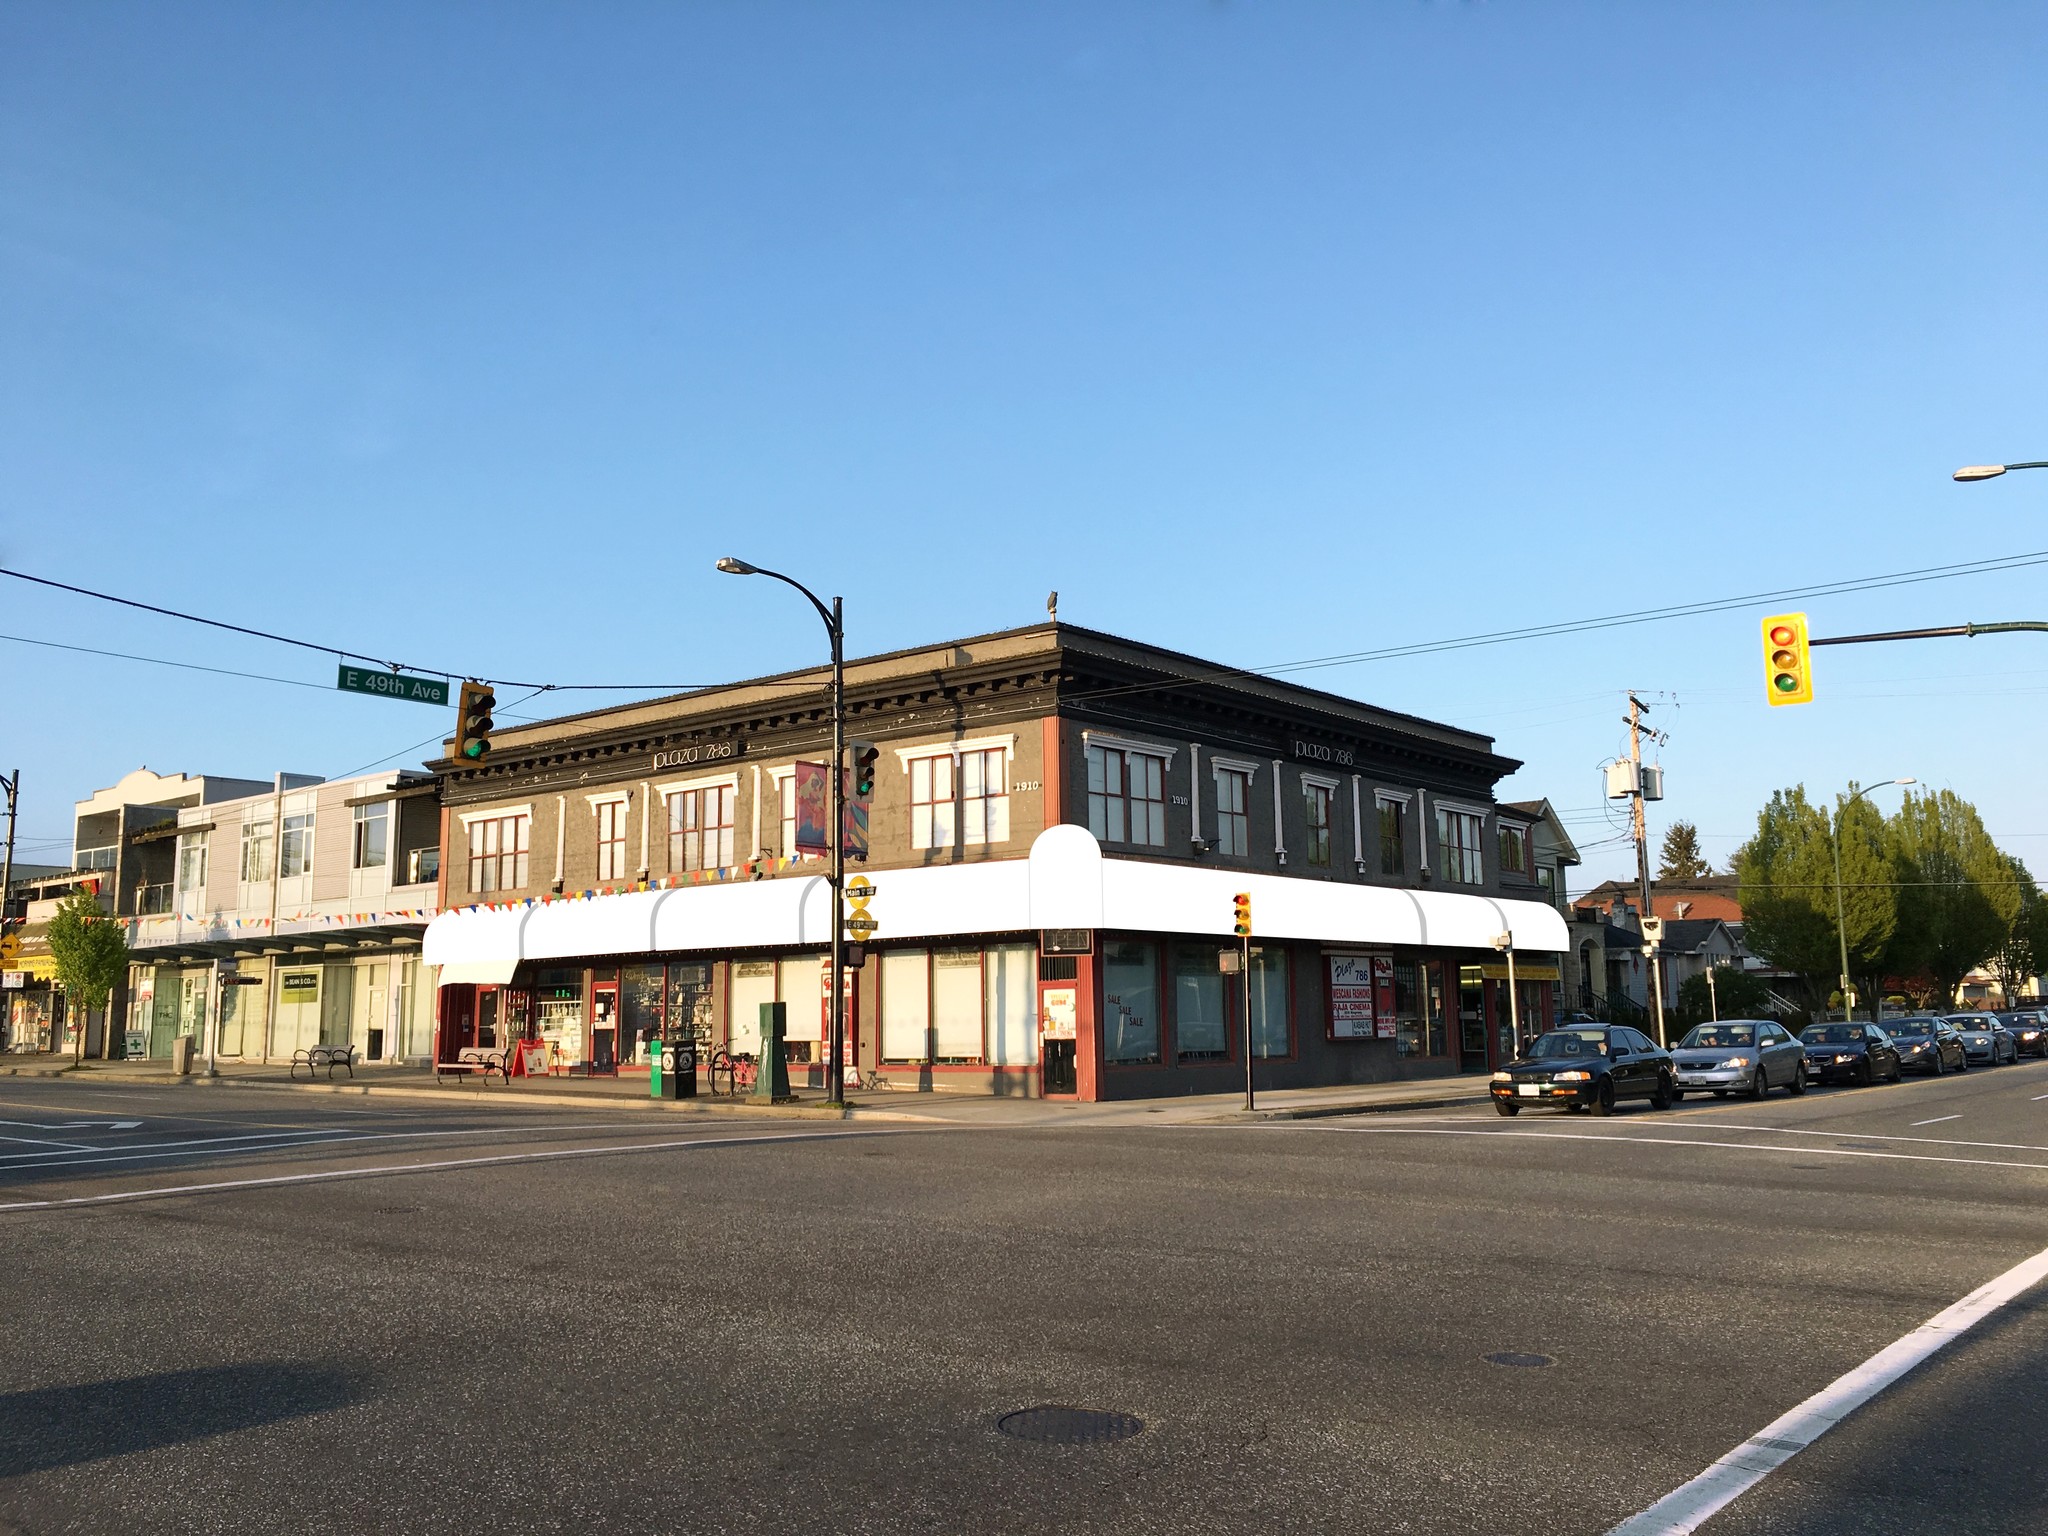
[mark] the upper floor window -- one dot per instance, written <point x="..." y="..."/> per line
<point x="931" y="802"/>
<point x="1233" y="818"/>
<point x="1514" y="849"/>
<point x="1315" y="799"/>
<point x="371" y="843"/>
<point x="497" y="854"/>
<point x="1393" y="836"/>
<point x="1127" y="796"/>
<point x="611" y="839"/>
<point x="192" y="861"/>
<point x="1461" y="835"/>
<point x="700" y="827"/>
<point x="256" y="849"/>
<point x="295" y="846"/>
<point x="984" y="797"/>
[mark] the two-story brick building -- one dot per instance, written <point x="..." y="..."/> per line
<point x="1060" y="822"/>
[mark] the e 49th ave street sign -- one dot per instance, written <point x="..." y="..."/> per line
<point x="393" y="685"/>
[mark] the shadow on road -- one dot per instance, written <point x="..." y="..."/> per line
<point x="63" y="1426"/>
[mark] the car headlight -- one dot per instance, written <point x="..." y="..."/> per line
<point x="1735" y="1061"/>
<point x="2030" y="1034"/>
<point x="1573" y="1076"/>
<point x="1839" y="1060"/>
<point x="1503" y="1077"/>
<point x="1915" y="1050"/>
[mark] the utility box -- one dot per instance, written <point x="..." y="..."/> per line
<point x="1653" y="782"/>
<point x="181" y="1055"/>
<point x="771" y="1083"/>
<point x="674" y="1071"/>
<point x="1621" y="779"/>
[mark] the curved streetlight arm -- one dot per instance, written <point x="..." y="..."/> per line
<point x="1993" y="471"/>
<point x="741" y="568"/>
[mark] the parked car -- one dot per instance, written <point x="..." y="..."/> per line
<point x="1586" y="1067"/>
<point x="1750" y="1056"/>
<point x="1850" y="1053"/>
<point x="2029" y="1032"/>
<point x="1985" y="1038"/>
<point x="1927" y="1044"/>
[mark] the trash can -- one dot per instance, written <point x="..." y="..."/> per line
<point x="674" y="1071"/>
<point x="181" y="1055"/>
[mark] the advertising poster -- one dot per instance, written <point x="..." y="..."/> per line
<point x="813" y="801"/>
<point x="1383" y="996"/>
<point x="1351" y="997"/>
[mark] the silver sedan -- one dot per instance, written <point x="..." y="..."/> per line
<point x="1747" y="1056"/>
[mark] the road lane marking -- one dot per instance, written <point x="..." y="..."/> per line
<point x="273" y="1141"/>
<point x="1690" y="1506"/>
<point x="332" y="1174"/>
<point x="1935" y="1121"/>
<point x="1775" y="1130"/>
<point x="1663" y="1141"/>
<point x="44" y="1141"/>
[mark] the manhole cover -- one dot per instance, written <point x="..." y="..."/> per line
<point x="399" y="1210"/>
<point x="1069" y="1426"/>
<point x="1516" y="1357"/>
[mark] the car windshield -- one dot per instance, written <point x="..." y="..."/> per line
<point x="1719" y="1037"/>
<point x="1834" y="1034"/>
<point x="1571" y="1042"/>
<point x="1972" y="1023"/>
<point x="1911" y="1029"/>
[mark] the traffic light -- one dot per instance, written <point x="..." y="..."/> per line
<point x="1788" y="666"/>
<point x="473" y="721"/>
<point x="1241" y="924"/>
<point x="860" y="799"/>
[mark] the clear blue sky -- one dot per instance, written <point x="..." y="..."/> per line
<point x="471" y="334"/>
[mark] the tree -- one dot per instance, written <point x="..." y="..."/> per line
<point x="1681" y="858"/>
<point x="90" y="953"/>
<point x="2024" y="951"/>
<point x="1736" y="994"/>
<point x="1787" y="889"/>
<point x="1959" y="897"/>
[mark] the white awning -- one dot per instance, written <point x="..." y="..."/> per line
<point x="1065" y="883"/>
<point x="490" y="973"/>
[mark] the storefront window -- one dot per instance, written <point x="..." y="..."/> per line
<point x="640" y="1000"/>
<point x="1010" y="997"/>
<point x="1437" y="1008"/>
<point x="956" y="1005"/>
<point x="1409" y="1036"/>
<point x="906" y="1006"/>
<point x="1201" y="1026"/>
<point x="1270" y="1034"/>
<point x="802" y="989"/>
<point x="689" y="1005"/>
<point x="753" y="983"/>
<point x="559" y="1005"/>
<point x="1472" y="1014"/>
<point x="1130" y="1002"/>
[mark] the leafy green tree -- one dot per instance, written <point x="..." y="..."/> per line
<point x="89" y="951"/>
<point x="1680" y="858"/>
<point x="1736" y="994"/>
<point x="1959" y="898"/>
<point x="1787" y="888"/>
<point x="2025" y="948"/>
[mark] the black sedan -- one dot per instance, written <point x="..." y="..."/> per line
<point x="1928" y="1044"/>
<point x="1586" y="1067"/>
<point x="1851" y="1053"/>
<point x="2029" y="1032"/>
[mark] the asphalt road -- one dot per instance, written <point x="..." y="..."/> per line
<point x="530" y="1320"/>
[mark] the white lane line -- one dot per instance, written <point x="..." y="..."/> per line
<point x="1662" y="1141"/>
<point x="272" y="1141"/>
<point x="1689" y="1507"/>
<point x="44" y="1141"/>
<point x="1937" y="1120"/>
<point x="331" y="1174"/>
<point x="2039" y="1097"/>
<point x="1668" y="1124"/>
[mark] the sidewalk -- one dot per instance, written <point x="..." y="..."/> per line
<point x="419" y="1083"/>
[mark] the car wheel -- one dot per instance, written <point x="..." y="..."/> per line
<point x="1510" y="1110"/>
<point x="1603" y="1097"/>
<point x="1760" y="1083"/>
<point x="1678" y="1095"/>
<point x="1864" y="1076"/>
<point x="1940" y="1064"/>
<point x="1962" y="1061"/>
<point x="1898" y="1070"/>
<point x="1798" y="1084"/>
<point x="1665" y="1096"/>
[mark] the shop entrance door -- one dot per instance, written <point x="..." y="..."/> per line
<point x="1059" y="1067"/>
<point x="458" y="1021"/>
<point x="1472" y="1040"/>
<point x="604" y="1027"/>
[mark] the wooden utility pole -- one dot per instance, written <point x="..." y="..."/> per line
<point x="1640" y="827"/>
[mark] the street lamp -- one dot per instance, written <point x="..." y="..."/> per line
<point x="1993" y="471"/>
<point x="1841" y="920"/>
<point x="835" y="626"/>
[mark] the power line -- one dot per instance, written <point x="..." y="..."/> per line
<point x="1606" y="621"/>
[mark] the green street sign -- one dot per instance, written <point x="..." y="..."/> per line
<point x="393" y="685"/>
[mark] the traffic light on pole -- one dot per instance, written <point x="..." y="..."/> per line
<point x="1241" y="924"/>
<point x="473" y="719"/>
<point x="860" y="798"/>
<point x="1788" y="665"/>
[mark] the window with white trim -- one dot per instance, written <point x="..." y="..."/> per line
<point x="785" y="787"/>
<point x="256" y="841"/>
<point x="1233" y="816"/>
<point x="1393" y="836"/>
<point x="370" y="839"/>
<point x="191" y="862"/>
<point x="984" y="797"/>
<point x="611" y="839"/>
<point x="700" y="828"/>
<point x="1462" y="837"/>
<point x="931" y="802"/>
<point x="497" y="853"/>
<point x="1315" y="801"/>
<point x="1127" y="796"/>
<point x="295" y="847"/>
<point x="1514" y="848"/>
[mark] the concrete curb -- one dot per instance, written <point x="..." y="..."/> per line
<point x="1332" y="1111"/>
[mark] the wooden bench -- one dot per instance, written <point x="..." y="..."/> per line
<point x="474" y="1061"/>
<point x="328" y="1056"/>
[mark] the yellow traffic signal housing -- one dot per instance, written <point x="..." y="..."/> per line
<point x="1241" y="904"/>
<point x="1788" y="664"/>
<point x="473" y="721"/>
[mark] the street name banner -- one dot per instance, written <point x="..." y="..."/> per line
<point x="393" y="685"/>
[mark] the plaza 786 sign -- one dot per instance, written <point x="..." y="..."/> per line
<point x="858" y="922"/>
